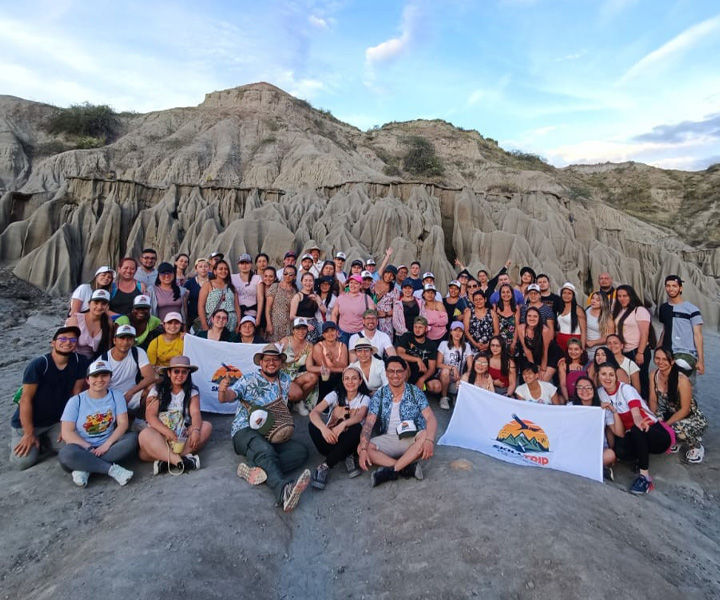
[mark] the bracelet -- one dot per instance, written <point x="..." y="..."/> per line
<point x="431" y="441"/>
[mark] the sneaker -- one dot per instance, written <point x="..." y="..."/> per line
<point x="320" y="476"/>
<point x="675" y="448"/>
<point x="608" y="474"/>
<point x="160" y="466"/>
<point x="352" y="467"/>
<point x="80" y="478"/>
<point x="642" y="485"/>
<point x="383" y="475"/>
<point x="301" y="409"/>
<point x="120" y="474"/>
<point x="253" y="475"/>
<point x="413" y="470"/>
<point x="695" y="455"/>
<point x="445" y="403"/>
<point x="191" y="462"/>
<point x="292" y="491"/>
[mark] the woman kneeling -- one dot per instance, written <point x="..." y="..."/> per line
<point x="175" y="427"/>
<point x="339" y="437"/>
<point x="94" y="428"/>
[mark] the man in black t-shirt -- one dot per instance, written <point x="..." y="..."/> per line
<point x="419" y="352"/>
<point x="49" y="382"/>
<point x="552" y="301"/>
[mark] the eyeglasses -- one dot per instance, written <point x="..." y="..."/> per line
<point x="149" y="257"/>
<point x="583" y="388"/>
<point x="66" y="340"/>
<point x="395" y="372"/>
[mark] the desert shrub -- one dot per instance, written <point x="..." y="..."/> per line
<point x="86" y="142"/>
<point x="528" y="157"/>
<point x="420" y="158"/>
<point x="86" y="121"/>
<point x="391" y="171"/>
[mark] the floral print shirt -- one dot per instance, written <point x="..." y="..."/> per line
<point x="255" y="389"/>
<point x="411" y="406"/>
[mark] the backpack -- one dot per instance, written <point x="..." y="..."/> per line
<point x="134" y="353"/>
<point x="18" y="394"/>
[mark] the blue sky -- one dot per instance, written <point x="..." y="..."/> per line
<point x="571" y="80"/>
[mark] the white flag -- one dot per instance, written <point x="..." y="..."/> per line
<point x="566" y="438"/>
<point x="216" y="360"/>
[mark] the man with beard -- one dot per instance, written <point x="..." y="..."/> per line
<point x="48" y="382"/>
<point x="606" y="289"/>
<point x="682" y="329"/>
<point x="419" y="352"/>
<point x="266" y="461"/>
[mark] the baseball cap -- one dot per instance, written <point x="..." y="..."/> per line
<point x="244" y="258"/>
<point x="329" y="325"/>
<point x="99" y="366"/>
<point x="567" y="286"/>
<point x="142" y="301"/>
<point x="102" y="295"/>
<point x="165" y="267"/>
<point x="454" y="282"/>
<point x="125" y="331"/>
<point x="105" y="269"/>
<point x="366" y="275"/>
<point x="300" y="322"/>
<point x="173" y="316"/>
<point x="217" y="255"/>
<point x="457" y="325"/>
<point x="533" y="287"/>
<point x="428" y="274"/>
<point x="290" y="253"/>
<point x="429" y="287"/>
<point x="341" y="256"/>
<point x="370" y="261"/>
<point x="355" y="278"/>
<point x="306" y="256"/>
<point x="247" y="319"/>
<point x="66" y="329"/>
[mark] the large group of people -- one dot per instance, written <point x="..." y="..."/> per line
<point x="357" y="353"/>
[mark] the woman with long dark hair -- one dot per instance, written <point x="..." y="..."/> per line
<point x="537" y="344"/>
<point x="125" y="288"/>
<point x="571" y="367"/>
<point x="175" y="430"/>
<point x="673" y="401"/>
<point x="182" y="262"/>
<point x="95" y="326"/>
<point x="502" y="367"/>
<point x="453" y="359"/>
<point x="632" y="325"/>
<point x="306" y="304"/>
<point x="599" y="323"/>
<point x="479" y="372"/>
<point x="218" y="332"/>
<point x="103" y="280"/>
<point x="638" y="433"/>
<point x="219" y="292"/>
<point x="586" y="394"/>
<point x="571" y="320"/>
<point x="604" y="355"/>
<point x="339" y="436"/>
<point x="478" y="321"/>
<point x="246" y="283"/>
<point x="506" y="317"/>
<point x="615" y="345"/>
<point x="166" y="295"/>
<point x="326" y="297"/>
<point x="193" y="285"/>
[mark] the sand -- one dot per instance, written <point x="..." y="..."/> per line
<point x="477" y="528"/>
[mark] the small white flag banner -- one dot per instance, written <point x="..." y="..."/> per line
<point x="566" y="438"/>
<point x="216" y="360"/>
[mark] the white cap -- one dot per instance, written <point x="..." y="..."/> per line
<point x="300" y="322"/>
<point x="341" y="255"/>
<point x="173" y="316"/>
<point x="247" y="319"/>
<point x="567" y="286"/>
<point x="429" y="286"/>
<point x="142" y="300"/>
<point x="306" y="256"/>
<point x="105" y="269"/>
<point x="366" y="275"/>
<point x="428" y="274"/>
<point x="125" y="330"/>
<point x="99" y="366"/>
<point x="370" y="261"/>
<point x="455" y="282"/>
<point x="103" y="295"/>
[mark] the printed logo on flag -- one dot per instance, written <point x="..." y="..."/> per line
<point x="230" y="372"/>
<point x="523" y="437"/>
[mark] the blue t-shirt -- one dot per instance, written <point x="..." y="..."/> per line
<point x="95" y="418"/>
<point x="54" y="387"/>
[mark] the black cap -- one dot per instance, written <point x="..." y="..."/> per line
<point x="165" y="268"/>
<point x="67" y="329"/>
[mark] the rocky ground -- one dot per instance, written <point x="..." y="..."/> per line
<point x="494" y="531"/>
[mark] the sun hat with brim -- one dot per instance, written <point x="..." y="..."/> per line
<point x="567" y="286"/>
<point x="142" y="301"/>
<point x="173" y="316"/>
<point x="165" y="267"/>
<point x="67" y="329"/>
<point x="364" y="344"/>
<point x="179" y="362"/>
<point x="98" y="367"/>
<point x="105" y="269"/>
<point x="100" y="296"/>
<point x="269" y="350"/>
<point x="125" y="331"/>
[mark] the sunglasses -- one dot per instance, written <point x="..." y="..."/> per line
<point x="178" y="371"/>
<point x="65" y="340"/>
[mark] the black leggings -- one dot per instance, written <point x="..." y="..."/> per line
<point x="644" y="370"/>
<point x="638" y="444"/>
<point x="346" y="445"/>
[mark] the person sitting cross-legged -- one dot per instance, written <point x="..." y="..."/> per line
<point x="266" y="461"/>
<point x="406" y="432"/>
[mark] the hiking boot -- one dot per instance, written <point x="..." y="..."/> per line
<point x="413" y="470"/>
<point x="320" y="476"/>
<point x="383" y="475"/>
<point x="695" y="455"/>
<point x="80" y="478"/>
<point x="120" y="474"/>
<point x="608" y="474"/>
<point x="352" y="467"/>
<point x="445" y="403"/>
<point x="674" y="449"/>
<point x="160" y="466"/>
<point x="642" y="485"/>
<point x="191" y="462"/>
<point x="292" y="491"/>
<point x="253" y="475"/>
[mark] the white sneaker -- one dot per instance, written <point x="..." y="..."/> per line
<point x="675" y="448"/>
<point x="80" y="478"/>
<point x="120" y="474"/>
<point x="695" y="455"/>
<point x="445" y="403"/>
<point x="301" y="409"/>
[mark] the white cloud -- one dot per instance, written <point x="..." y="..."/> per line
<point x="318" y="22"/>
<point x="475" y="97"/>
<point x="683" y="41"/>
<point x="573" y="56"/>
<point x="394" y="47"/>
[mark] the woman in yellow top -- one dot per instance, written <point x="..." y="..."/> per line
<point x="168" y="344"/>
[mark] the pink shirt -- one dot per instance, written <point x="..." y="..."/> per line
<point x="351" y="309"/>
<point x="631" y="330"/>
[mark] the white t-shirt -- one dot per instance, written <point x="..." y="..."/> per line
<point x="176" y="400"/>
<point x="455" y="356"/>
<point x="395" y="419"/>
<point x="547" y="391"/>
<point x="630" y="367"/>
<point x="124" y="371"/>
<point x="377" y="377"/>
<point x="380" y="340"/>
<point x="358" y="402"/>
<point x="83" y="293"/>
